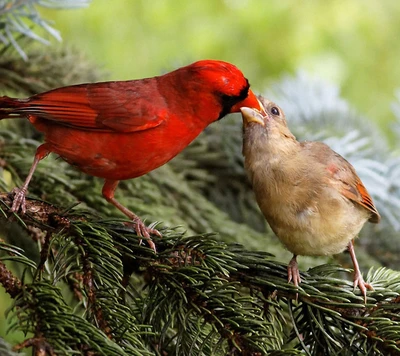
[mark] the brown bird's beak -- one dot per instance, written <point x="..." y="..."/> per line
<point x="251" y="102"/>
<point x="252" y="115"/>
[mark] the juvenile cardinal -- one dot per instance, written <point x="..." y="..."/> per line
<point x="125" y="129"/>
<point x="311" y="196"/>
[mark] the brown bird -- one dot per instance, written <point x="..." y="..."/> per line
<point x="311" y="196"/>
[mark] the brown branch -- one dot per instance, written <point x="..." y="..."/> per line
<point x="11" y="284"/>
<point x="38" y="213"/>
<point x="41" y="346"/>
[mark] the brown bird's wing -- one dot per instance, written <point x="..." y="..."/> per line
<point x="345" y="177"/>
<point x="110" y="106"/>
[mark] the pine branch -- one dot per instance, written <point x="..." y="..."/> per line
<point x="199" y="294"/>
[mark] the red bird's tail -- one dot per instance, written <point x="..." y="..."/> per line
<point x="12" y="108"/>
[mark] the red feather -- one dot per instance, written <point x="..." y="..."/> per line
<point x="121" y="130"/>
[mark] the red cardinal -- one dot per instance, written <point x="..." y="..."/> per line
<point x="125" y="129"/>
<point x="311" y="197"/>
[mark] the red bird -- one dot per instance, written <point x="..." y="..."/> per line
<point x="125" y="129"/>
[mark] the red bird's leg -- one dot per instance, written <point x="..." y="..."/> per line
<point x="358" y="278"/>
<point x="293" y="271"/>
<point x="20" y="193"/>
<point x="141" y="229"/>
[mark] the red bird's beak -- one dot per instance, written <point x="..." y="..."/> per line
<point x="250" y="102"/>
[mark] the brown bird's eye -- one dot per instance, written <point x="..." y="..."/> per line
<point x="275" y="111"/>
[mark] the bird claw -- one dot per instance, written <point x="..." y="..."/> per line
<point x="293" y="272"/>
<point x="359" y="281"/>
<point x="144" y="231"/>
<point x="19" y="201"/>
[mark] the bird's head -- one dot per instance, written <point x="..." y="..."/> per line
<point x="266" y="135"/>
<point x="273" y="124"/>
<point x="227" y="83"/>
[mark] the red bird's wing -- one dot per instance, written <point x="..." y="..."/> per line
<point x="111" y="106"/>
<point x="344" y="177"/>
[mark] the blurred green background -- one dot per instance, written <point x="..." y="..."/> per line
<point x="354" y="44"/>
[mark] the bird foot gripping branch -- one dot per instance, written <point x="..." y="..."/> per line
<point x="19" y="200"/>
<point x="311" y="196"/>
<point x="124" y="129"/>
<point x="293" y="272"/>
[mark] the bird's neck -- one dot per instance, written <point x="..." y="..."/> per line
<point x="268" y="157"/>
<point x="267" y="146"/>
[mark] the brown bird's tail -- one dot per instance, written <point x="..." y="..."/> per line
<point x="12" y="108"/>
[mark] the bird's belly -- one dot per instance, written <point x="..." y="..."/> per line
<point x="317" y="234"/>
<point x="115" y="156"/>
<point x="308" y="243"/>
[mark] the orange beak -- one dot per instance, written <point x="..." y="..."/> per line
<point x="250" y="102"/>
<point x="251" y="115"/>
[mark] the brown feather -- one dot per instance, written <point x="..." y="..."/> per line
<point x="345" y="178"/>
<point x="359" y="194"/>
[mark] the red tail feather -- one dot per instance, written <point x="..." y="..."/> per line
<point x="11" y="108"/>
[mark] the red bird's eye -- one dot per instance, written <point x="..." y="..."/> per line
<point x="275" y="111"/>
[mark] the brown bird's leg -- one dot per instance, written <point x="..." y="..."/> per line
<point x="358" y="278"/>
<point x="20" y="193"/>
<point x="293" y="271"/>
<point x="141" y="229"/>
